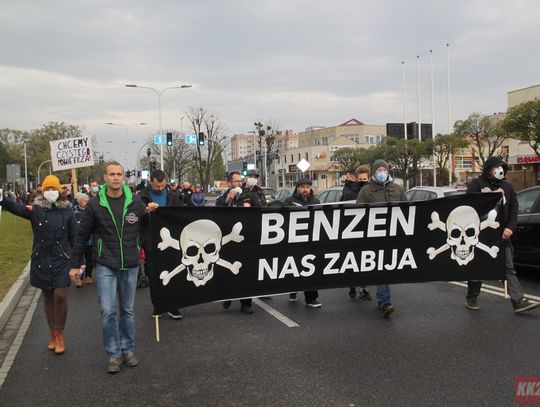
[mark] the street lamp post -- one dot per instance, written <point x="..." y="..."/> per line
<point x="254" y="147"/>
<point x="126" y="161"/>
<point x="39" y="169"/>
<point x="159" y="93"/>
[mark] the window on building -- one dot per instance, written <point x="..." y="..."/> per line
<point x="464" y="163"/>
<point x="299" y="156"/>
<point x="307" y="157"/>
<point x="284" y="159"/>
<point x="380" y="138"/>
<point x="369" y="139"/>
<point x="292" y="158"/>
<point x="353" y="137"/>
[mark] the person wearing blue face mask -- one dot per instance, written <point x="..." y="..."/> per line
<point x="93" y="189"/>
<point x="382" y="188"/>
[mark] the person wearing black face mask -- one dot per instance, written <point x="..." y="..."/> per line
<point x="353" y="184"/>
<point x="493" y="180"/>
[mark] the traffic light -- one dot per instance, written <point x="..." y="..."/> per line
<point x="200" y="139"/>
<point x="128" y="173"/>
<point x="244" y="168"/>
<point x="169" y="139"/>
<point x="148" y="152"/>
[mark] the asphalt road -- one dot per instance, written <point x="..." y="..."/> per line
<point x="433" y="351"/>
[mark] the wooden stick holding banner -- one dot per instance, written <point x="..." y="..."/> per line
<point x="156" y="317"/>
<point x="505" y="288"/>
<point x="74" y="186"/>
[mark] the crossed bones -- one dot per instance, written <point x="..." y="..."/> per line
<point x="167" y="241"/>
<point x="437" y="224"/>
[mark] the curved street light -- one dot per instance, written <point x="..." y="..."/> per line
<point x="159" y="93"/>
<point x="126" y="162"/>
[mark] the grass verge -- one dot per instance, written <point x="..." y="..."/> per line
<point x="15" y="249"/>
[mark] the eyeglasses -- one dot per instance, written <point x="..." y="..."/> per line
<point x="236" y="180"/>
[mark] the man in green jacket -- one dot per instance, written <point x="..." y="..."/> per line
<point x="113" y="217"/>
<point x="381" y="188"/>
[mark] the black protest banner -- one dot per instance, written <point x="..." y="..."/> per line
<point x="208" y="254"/>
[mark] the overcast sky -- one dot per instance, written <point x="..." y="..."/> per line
<point x="297" y="63"/>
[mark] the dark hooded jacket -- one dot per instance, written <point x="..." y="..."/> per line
<point x="296" y="200"/>
<point x="173" y="201"/>
<point x="351" y="190"/>
<point x="509" y="206"/>
<point x="255" y="195"/>
<point x="115" y="246"/>
<point x="54" y="228"/>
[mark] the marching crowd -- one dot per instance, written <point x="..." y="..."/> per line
<point x="102" y="234"/>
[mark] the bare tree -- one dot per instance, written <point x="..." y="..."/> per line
<point x="267" y="134"/>
<point x="206" y="156"/>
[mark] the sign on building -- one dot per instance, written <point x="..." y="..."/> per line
<point x="71" y="153"/>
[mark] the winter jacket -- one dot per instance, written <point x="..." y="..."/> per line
<point x="173" y="201"/>
<point x="186" y="196"/>
<point x="197" y="198"/>
<point x="54" y="228"/>
<point x="237" y="201"/>
<point x="374" y="192"/>
<point x="296" y="200"/>
<point x="508" y="214"/>
<point x="255" y="196"/>
<point x="78" y="212"/>
<point x="115" y="246"/>
<point x="350" y="191"/>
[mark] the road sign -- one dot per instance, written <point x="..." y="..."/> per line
<point x="160" y="139"/>
<point x="303" y="165"/>
<point x="191" y="138"/>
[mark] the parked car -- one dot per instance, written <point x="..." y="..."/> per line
<point x="284" y="193"/>
<point x="269" y="193"/>
<point x="426" y="193"/>
<point x="526" y="239"/>
<point x="331" y="195"/>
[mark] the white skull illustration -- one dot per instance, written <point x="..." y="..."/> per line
<point x="200" y="242"/>
<point x="463" y="228"/>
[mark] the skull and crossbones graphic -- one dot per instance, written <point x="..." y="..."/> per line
<point x="463" y="228"/>
<point x="200" y="243"/>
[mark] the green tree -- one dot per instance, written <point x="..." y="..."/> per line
<point x="405" y="156"/>
<point x="349" y="158"/>
<point x="485" y="132"/>
<point x="523" y="122"/>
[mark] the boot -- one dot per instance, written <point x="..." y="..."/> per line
<point x="51" y="346"/>
<point x="59" y="346"/>
<point x="88" y="280"/>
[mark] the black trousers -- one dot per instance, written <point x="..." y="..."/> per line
<point x="152" y="276"/>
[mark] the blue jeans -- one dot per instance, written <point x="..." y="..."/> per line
<point x="113" y="285"/>
<point x="383" y="295"/>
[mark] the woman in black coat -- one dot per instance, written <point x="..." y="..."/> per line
<point x="53" y="224"/>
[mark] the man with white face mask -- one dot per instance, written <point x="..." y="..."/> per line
<point x="253" y="191"/>
<point x="493" y="180"/>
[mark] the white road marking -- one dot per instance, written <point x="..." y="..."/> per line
<point x="17" y="342"/>
<point x="275" y="313"/>
<point x="491" y="289"/>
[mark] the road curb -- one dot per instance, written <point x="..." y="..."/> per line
<point x="13" y="296"/>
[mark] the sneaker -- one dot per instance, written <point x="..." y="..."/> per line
<point x="387" y="310"/>
<point x="525" y="305"/>
<point x="352" y="293"/>
<point x="292" y="297"/>
<point x="226" y="304"/>
<point x="472" y="303"/>
<point x="79" y="284"/>
<point x="114" y="364"/>
<point x="130" y="359"/>
<point x="246" y="309"/>
<point x="314" y="304"/>
<point x="364" y="295"/>
<point x="175" y="314"/>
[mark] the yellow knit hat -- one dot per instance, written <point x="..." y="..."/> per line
<point x="51" y="181"/>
